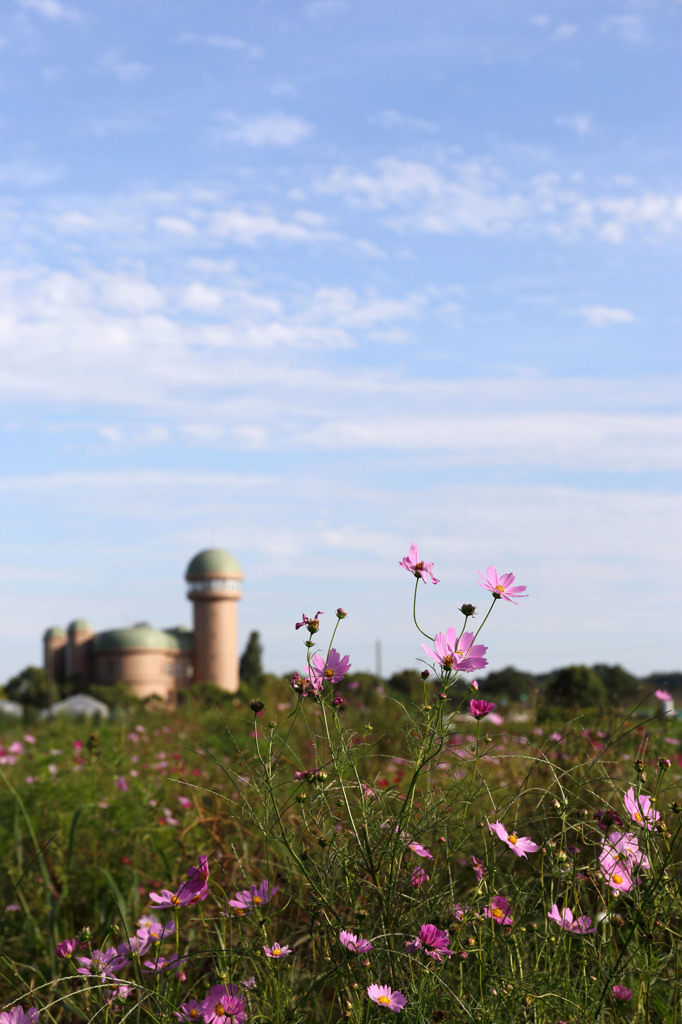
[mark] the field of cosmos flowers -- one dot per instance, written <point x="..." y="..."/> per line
<point x="326" y="852"/>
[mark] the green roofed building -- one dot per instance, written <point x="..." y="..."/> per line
<point x="158" y="662"/>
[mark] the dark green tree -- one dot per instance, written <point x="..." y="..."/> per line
<point x="508" y="682"/>
<point x="576" y="686"/>
<point x="251" y="663"/>
<point x="621" y="687"/>
<point x="32" y="686"/>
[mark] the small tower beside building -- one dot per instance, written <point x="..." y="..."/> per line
<point x="54" y="653"/>
<point x="214" y="580"/>
<point x="79" y="632"/>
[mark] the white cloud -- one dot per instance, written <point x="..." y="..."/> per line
<point x="126" y="71"/>
<point x="28" y="174"/>
<point x="602" y="316"/>
<point x="176" y="226"/>
<point x="539" y="20"/>
<point x="629" y="27"/>
<point x="393" y="120"/>
<point x="249" y="229"/>
<point x="325" y="8"/>
<point x="564" y="31"/>
<point x="233" y="44"/>
<point x="581" y="124"/>
<point x="51" y="9"/>
<point x="107" y="127"/>
<point x="276" y="129"/>
<point x="201" y="299"/>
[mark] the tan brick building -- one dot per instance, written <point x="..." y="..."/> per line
<point x="159" y="662"/>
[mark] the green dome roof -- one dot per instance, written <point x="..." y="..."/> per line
<point x="54" y="632"/>
<point x="213" y="562"/>
<point x="138" y="637"/>
<point x="80" y="626"/>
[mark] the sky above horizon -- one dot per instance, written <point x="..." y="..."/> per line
<point x="311" y="281"/>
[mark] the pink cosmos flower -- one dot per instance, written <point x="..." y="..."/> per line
<point x="481" y="708"/>
<point x="384" y="996"/>
<point x="420" y="850"/>
<point x="663" y="695"/>
<point x="189" y="1011"/>
<point x="457" y="654"/>
<point x="255" y="896"/>
<point x="66" y="947"/>
<point x="154" y="931"/>
<point x="478" y="866"/>
<point x="565" y="920"/>
<point x="103" y="963"/>
<point x="135" y="945"/>
<point x="162" y="964"/>
<point x="521" y="845"/>
<point x="275" y="951"/>
<point x="354" y="944"/>
<point x="627" y="845"/>
<point x="418" y="877"/>
<point x="616" y="868"/>
<point x="17" y="1015"/>
<point x="639" y="808"/>
<point x="500" y="910"/>
<point x="432" y="941"/>
<point x="623" y="994"/>
<point x="223" y="1004"/>
<point x="419" y="569"/>
<point x="501" y="586"/>
<point x="332" y="670"/>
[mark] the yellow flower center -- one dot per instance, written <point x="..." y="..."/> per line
<point x="257" y="899"/>
<point x="237" y="912"/>
<point x="498" y="913"/>
<point x="276" y="952"/>
<point x="638" y="817"/>
<point x="512" y="838"/>
<point x="194" y="1013"/>
<point x="500" y="588"/>
<point x="175" y="900"/>
<point x="618" y="879"/>
<point x="220" y="1011"/>
<point x="328" y="673"/>
<point x="384" y="1000"/>
<point x="418" y="567"/>
<point x="447" y="661"/>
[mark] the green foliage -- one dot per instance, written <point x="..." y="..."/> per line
<point x="32" y="686"/>
<point x="622" y="689"/>
<point x="509" y="683"/>
<point x="576" y="687"/>
<point x="251" y="662"/>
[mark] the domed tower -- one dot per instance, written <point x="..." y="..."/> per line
<point x="54" y="653"/>
<point x="214" y="579"/>
<point x="79" y="632"/>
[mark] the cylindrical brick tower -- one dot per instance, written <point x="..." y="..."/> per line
<point x="214" y="578"/>
<point x="80" y="631"/>
<point x="54" y="653"/>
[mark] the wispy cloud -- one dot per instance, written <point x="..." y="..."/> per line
<point x="276" y="129"/>
<point x="565" y="30"/>
<point x="629" y="27"/>
<point x="325" y="8"/>
<point x="603" y="316"/>
<point x="393" y="120"/>
<point x="232" y="44"/>
<point x="581" y="124"/>
<point x="51" y="9"/>
<point x="23" y="174"/>
<point x="126" y="71"/>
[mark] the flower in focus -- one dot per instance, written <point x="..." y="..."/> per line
<point x="565" y="920"/>
<point x="332" y="670"/>
<point x="481" y="708"/>
<point x="254" y="896"/>
<point x="191" y="1010"/>
<point x="223" y="1004"/>
<point x="66" y="947"/>
<point x="418" y="877"/>
<point x="501" y="586"/>
<point x="341" y="613"/>
<point x="500" y="910"/>
<point x="383" y="995"/>
<point x="354" y="944"/>
<point x="457" y="654"/>
<point x="623" y="994"/>
<point x="17" y="1015"/>
<point x="639" y="808"/>
<point x="420" y="850"/>
<point x="432" y="941"/>
<point x="419" y="569"/>
<point x="311" y="624"/>
<point x="521" y="845"/>
<point x="275" y="950"/>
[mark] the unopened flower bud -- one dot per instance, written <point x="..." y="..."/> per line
<point x="469" y="610"/>
<point x="425" y="674"/>
<point x="676" y="807"/>
<point x="341" y="613"/>
<point x="639" y="765"/>
<point x="663" y="763"/>
<point x="473" y="686"/>
<point x="338" y="702"/>
<point x="256" y="705"/>
<point x="442" y="696"/>
<point x="309" y="643"/>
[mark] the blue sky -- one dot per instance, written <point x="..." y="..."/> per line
<point x="310" y="281"/>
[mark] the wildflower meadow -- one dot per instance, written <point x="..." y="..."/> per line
<point x="325" y="851"/>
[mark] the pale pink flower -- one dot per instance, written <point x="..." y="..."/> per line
<point x="418" y="877"/>
<point x="478" y="866"/>
<point x="521" y="845"/>
<point x="663" y="695"/>
<point x="419" y="569"/>
<point x="275" y="951"/>
<point x="184" y="802"/>
<point x="564" y="918"/>
<point x="501" y="586"/>
<point x="223" y="1004"/>
<point x="331" y="670"/>
<point x="500" y="910"/>
<point x="189" y="1011"/>
<point x="103" y="963"/>
<point x="29" y="737"/>
<point x="255" y="896"/>
<point x="353" y="943"/>
<point x="639" y="808"/>
<point x="384" y="996"/>
<point x="121" y="783"/>
<point x="17" y="1015"/>
<point x="420" y="850"/>
<point x="457" y="654"/>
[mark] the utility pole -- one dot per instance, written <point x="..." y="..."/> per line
<point x="377" y="659"/>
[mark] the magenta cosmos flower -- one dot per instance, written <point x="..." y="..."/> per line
<point x="312" y="624"/>
<point x="501" y="586"/>
<point x="332" y="670"/>
<point x="223" y="1004"/>
<point x="432" y="941"/>
<point x="384" y="996"/>
<point x="17" y="1015"/>
<point x="640" y="810"/>
<point x="521" y="845"/>
<point x="354" y="944"/>
<point x="275" y="951"/>
<point x="457" y="654"/>
<point x="420" y="850"/>
<point x="500" y="910"/>
<point x="481" y="708"/>
<point x="255" y="896"/>
<point x="623" y="994"/>
<point x="419" y="569"/>
<point x="189" y="1011"/>
<point x="564" y="918"/>
<point x="104" y="963"/>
